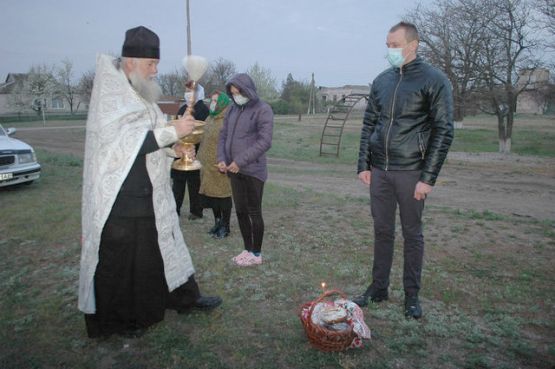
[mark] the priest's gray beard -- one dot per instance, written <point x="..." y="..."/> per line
<point x="149" y="89"/>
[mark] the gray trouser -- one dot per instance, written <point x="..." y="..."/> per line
<point x="387" y="189"/>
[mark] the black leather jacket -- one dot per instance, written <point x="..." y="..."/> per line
<point x="408" y="123"/>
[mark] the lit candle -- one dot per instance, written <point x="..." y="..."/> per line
<point x="324" y="287"/>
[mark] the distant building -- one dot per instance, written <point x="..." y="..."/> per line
<point x="10" y="104"/>
<point x="536" y="91"/>
<point x="331" y="95"/>
<point x="170" y="105"/>
<point x="13" y="80"/>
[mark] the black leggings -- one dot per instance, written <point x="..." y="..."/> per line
<point x="222" y="209"/>
<point x="247" y="196"/>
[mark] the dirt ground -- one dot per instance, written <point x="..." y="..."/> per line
<point x="504" y="184"/>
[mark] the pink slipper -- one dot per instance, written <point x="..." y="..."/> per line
<point x="242" y="255"/>
<point x="249" y="260"/>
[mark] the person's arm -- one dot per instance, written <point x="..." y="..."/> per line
<point x="222" y="138"/>
<point x="442" y="132"/>
<point x="167" y="136"/>
<point x="263" y="142"/>
<point x="149" y="144"/>
<point x="368" y="124"/>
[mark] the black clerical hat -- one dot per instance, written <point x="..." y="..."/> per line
<point x="140" y="42"/>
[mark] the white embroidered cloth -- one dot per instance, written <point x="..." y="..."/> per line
<point x="117" y="124"/>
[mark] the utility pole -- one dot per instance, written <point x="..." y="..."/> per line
<point x="189" y="52"/>
<point x="312" y="97"/>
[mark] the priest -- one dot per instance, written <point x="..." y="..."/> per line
<point x="134" y="260"/>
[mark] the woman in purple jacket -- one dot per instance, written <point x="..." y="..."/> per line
<point x="245" y="137"/>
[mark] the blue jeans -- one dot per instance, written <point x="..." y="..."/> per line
<point x="387" y="189"/>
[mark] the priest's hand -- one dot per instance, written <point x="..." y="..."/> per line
<point x="185" y="151"/>
<point x="184" y="125"/>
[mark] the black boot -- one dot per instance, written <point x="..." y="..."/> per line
<point x="217" y="224"/>
<point x="222" y="232"/>
<point x="412" y="307"/>
<point x="372" y="293"/>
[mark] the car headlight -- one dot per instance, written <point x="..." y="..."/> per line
<point x="28" y="157"/>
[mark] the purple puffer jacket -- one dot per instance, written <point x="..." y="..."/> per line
<point x="246" y="134"/>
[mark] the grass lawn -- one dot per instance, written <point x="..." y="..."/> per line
<point x="488" y="282"/>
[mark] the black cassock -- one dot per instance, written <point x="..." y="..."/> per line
<point x="130" y="286"/>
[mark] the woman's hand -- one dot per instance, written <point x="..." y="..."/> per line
<point x="222" y="168"/>
<point x="233" y="167"/>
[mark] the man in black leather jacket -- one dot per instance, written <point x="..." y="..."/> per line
<point x="406" y="134"/>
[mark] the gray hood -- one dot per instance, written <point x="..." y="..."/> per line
<point x="245" y="84"/>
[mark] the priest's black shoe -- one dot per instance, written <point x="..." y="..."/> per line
<point x="207" y="302"/>
<point x="412" y="307"/>
<point x="133" y="332"/>
<point x="372" y="293"/>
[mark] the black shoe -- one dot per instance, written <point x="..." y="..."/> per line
<point x="372" y="293"/>
<point x="217" y="224"/>
<point x="412" y="307"/>
<point x="194" y="216"/>
<point x="222" y="232"/>
<point x="207" y="302"/>
<point x="133" y="333"/>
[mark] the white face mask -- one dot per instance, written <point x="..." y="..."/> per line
<point x="395" y="57"/>
<point x="188" y="97"/>
<point x="240" y="99"/>
<point x="213" y="106"/>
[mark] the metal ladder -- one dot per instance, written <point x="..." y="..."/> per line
<point x="330" y="142"/>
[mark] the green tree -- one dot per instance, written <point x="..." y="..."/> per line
<point x="296" y="94"/>
<point x="264" y="81"/>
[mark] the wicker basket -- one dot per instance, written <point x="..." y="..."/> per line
<point x="320" y="337"/>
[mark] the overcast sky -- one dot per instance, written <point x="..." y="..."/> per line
<point x="341" y="41"/>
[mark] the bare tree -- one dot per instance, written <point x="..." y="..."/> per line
<point x="507" y="49"/>
<point x="217" y="75"/>
<point x="481" y="45"/>
<point x="451" y="37"/>
<point x="546" y="22"/>
<point x="173" y="84"/>
<point x="66" y="87"/>
<point x="264" y="81"/>
<point x="85" y="85"/>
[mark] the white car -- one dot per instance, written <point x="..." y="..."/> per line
<point x="18" y="162"/>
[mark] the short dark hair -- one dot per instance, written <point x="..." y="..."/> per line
<point x="411" y="33"/>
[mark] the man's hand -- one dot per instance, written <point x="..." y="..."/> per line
<point x="184" y="125"/>
<point x="365" y="176"/>
<point x="233" y="167"/>
<point x="422" y="190"/>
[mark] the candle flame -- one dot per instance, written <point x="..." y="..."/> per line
<point x="323" y="284"/>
